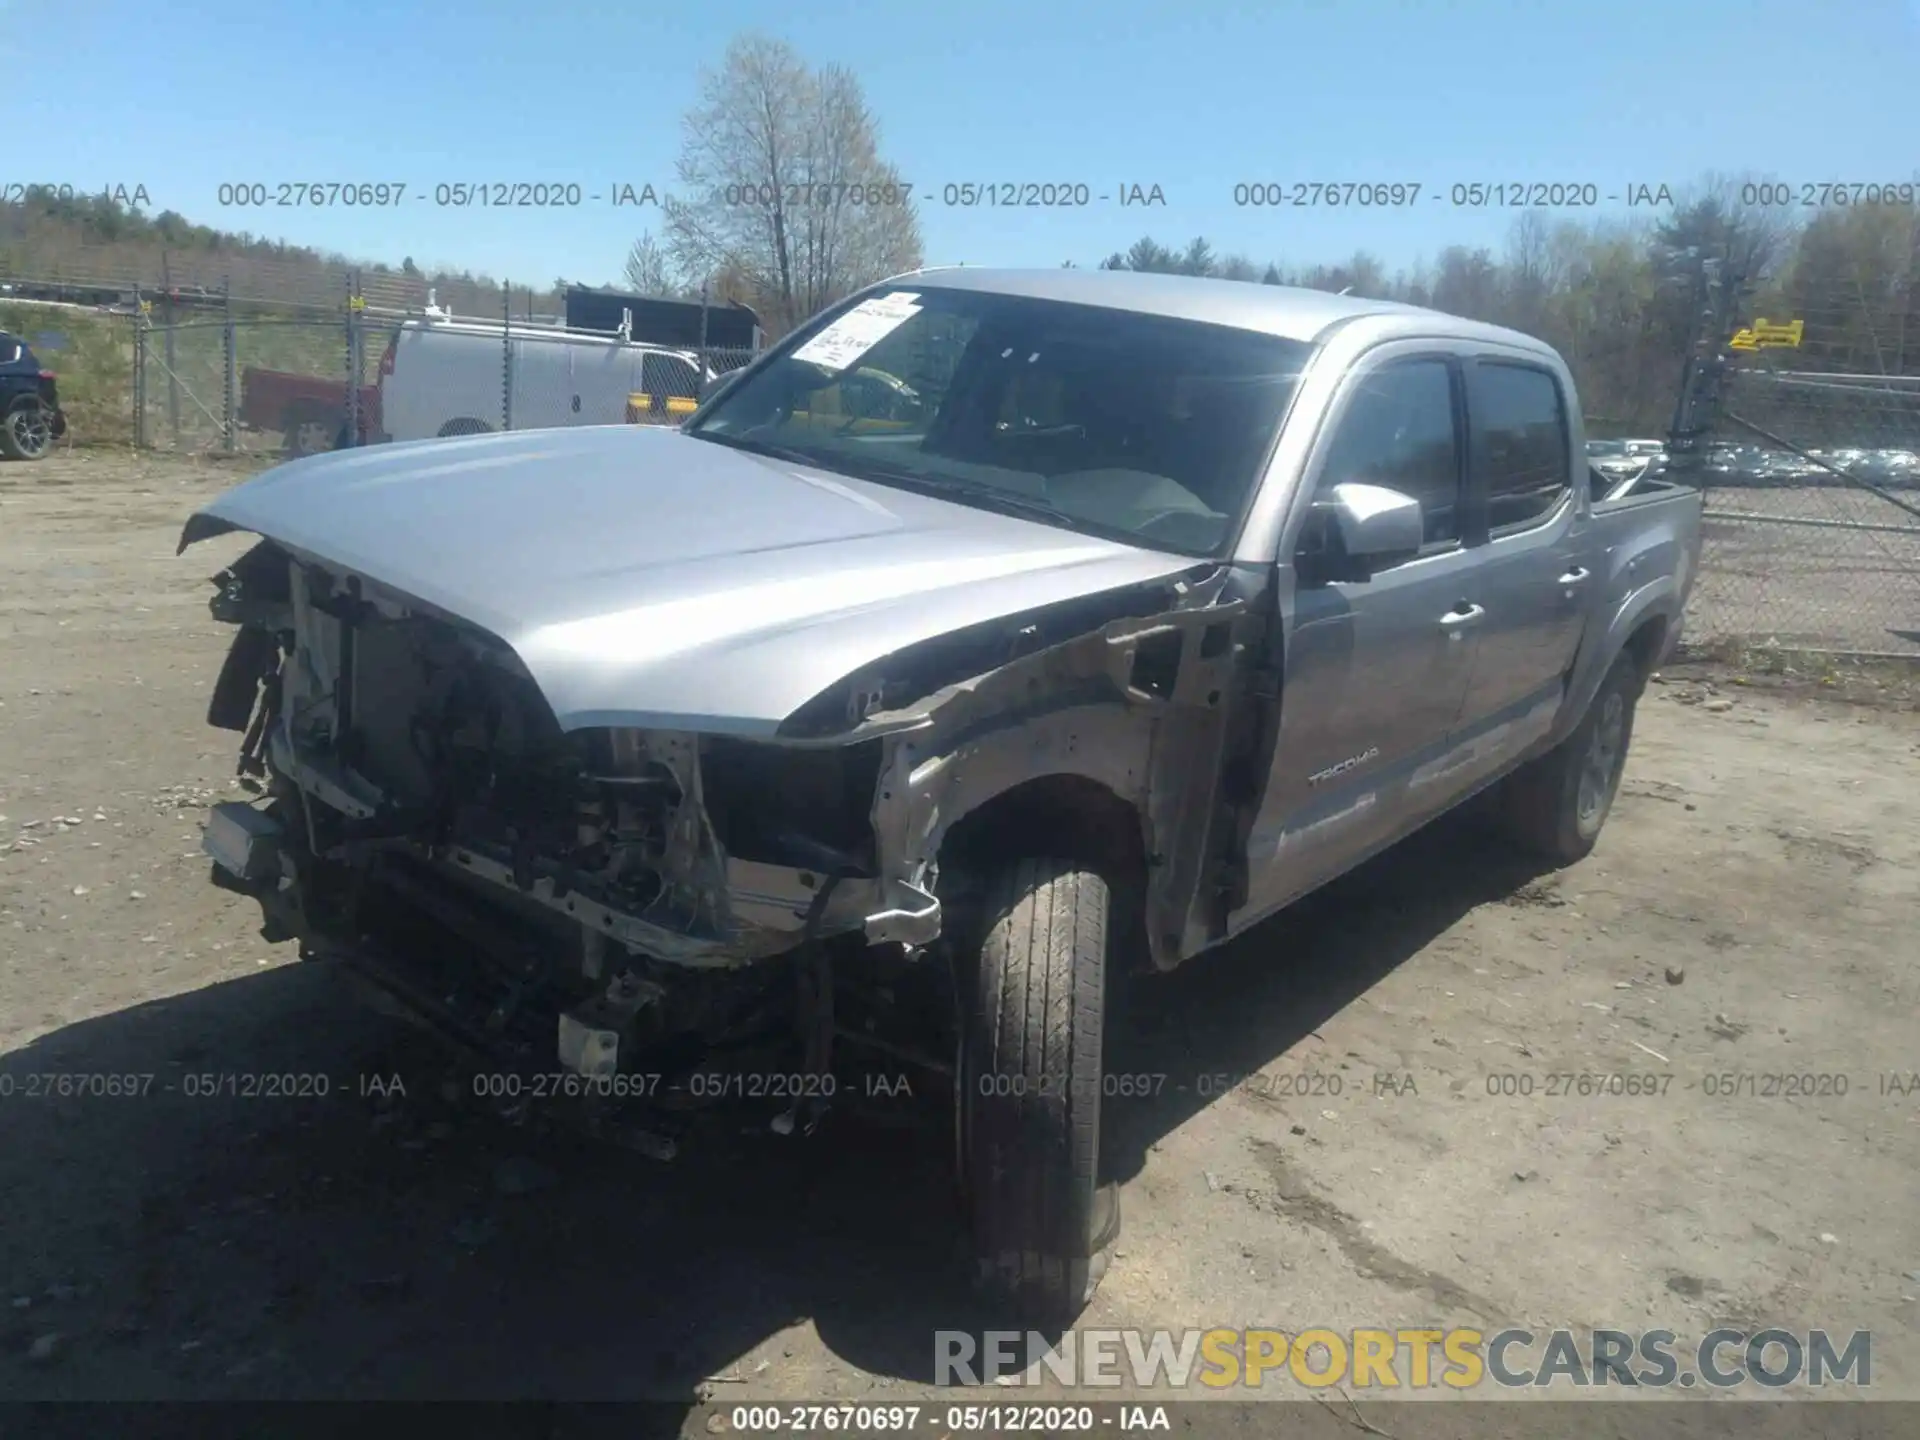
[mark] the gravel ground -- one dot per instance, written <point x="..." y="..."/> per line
<point x="1767" y="578"/>
<point x="1750" y="909"/>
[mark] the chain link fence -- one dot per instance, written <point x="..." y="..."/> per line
<point x="202" y="369"/>
<point x="1812" y="530"/>
<point x="381" y="371"/>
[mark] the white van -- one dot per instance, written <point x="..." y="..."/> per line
<point x="441" y="376"/>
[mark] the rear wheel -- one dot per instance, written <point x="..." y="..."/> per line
<point x="1555" y="805"/>
<point x="26" y="430"/>
<point x="1031" y="1079"/>
<point x="307" y="430"/>
<point x="465" y="425"/>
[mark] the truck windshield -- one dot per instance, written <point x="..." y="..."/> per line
<point x="1137" y="427"/>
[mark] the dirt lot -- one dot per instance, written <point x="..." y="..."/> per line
<point x="1776" y="579"/>
<point x="1750" y="909"/>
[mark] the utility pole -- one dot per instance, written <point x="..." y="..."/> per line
<point x="1719" y="288"/>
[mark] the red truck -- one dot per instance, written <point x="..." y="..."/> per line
<point x="308" y="410"/>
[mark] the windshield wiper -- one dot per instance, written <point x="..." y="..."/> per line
<point x="941" y="487"/>
<point x="760" y="447"/>
<point x="989" y="497"/>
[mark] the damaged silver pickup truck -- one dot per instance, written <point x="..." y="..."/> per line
<point x="996" y="632"/>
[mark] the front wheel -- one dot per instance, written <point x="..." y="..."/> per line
<point x="1555" y="805"/>
<point x="1031" y="1077"/>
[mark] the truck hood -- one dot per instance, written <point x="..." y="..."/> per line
<point x="650" y="579"/>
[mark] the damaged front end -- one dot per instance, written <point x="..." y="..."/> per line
<point x="423" y="819"/>
<point x="634" y="904"/>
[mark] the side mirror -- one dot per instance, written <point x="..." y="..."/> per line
<point x="713" y="387"/>
<point x="1357" y="530"/>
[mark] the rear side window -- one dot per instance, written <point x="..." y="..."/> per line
<point x="1398" y="431"/>
<point x="669" y="375"/>
<point x="1521" y="458"/>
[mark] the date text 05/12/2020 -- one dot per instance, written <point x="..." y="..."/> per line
<point x="1553" y="194"/>
<point x="1389" y="194"/>
<point x="570" y="194"/>
<point x="455" y="195"/>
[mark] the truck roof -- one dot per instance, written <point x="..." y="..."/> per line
<point x="1288" y="311"/>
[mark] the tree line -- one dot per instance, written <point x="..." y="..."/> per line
<point x="1620" y="300"/>
<point x="779" y="163"/>
<point x="53" y="234"/>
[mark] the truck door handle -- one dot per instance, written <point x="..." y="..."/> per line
<point x="1576" y="576"/>
<point x="1462" y="614"/>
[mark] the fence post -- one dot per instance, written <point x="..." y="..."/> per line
<point x="703" y="332"/>
<point x="506" y="355"/>
<point x="1717" y="289"/>
<point x="356" y="341"/>
<point x="230" y="337"/>
<point x="172" y="361"/>
<point x="140" y="304"/>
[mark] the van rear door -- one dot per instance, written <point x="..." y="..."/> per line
<point x="562" y="380"/>
<point x="603" y="378"/>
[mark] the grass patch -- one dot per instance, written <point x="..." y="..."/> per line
<point x="95" y="365"/>
<point x="94" y="359"/>
<point x="1882" y="682"/>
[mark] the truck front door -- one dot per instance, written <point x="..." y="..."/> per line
<point x="1375" y="670"/>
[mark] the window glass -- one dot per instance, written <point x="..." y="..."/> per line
<point x="1138" y="427"/>
<point x="1398" y="431"/>
<point x="669" y="375"/>
<point x="1523" y="443"/>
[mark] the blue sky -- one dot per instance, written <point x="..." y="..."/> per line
<point x="1192" y="96"/>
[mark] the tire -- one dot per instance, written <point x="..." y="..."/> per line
<point x="465" y="425"/>
<point x="26" y="430"/>
<point x="1557" y="804"/>
<point x="1029" y="1108"/>
<point x="307" y="431"/>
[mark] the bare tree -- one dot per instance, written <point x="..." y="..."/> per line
<point x="785" y="185"/>
<point x="647" y="270"/>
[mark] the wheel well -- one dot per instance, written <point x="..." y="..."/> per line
<point x="1068" y="816"/>
<point x="1645" y="644"/>
<point x="465" y="425"/>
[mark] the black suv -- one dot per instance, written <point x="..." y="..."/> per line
<point x="30" y="415"/>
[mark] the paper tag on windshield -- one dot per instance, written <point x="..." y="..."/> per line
<point x="858" y="331"/>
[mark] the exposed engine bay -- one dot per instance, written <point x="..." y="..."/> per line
<point x="424" y="820"/>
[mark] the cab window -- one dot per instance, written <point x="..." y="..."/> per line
<point x="1522" y="461"/>
<point x="1399" y="430"/>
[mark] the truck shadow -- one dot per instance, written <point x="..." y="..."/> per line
<point x="358" y="1230"/>
<point x="1197" y="1032"/>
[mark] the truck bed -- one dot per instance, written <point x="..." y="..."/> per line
<point x="280" y="400"/>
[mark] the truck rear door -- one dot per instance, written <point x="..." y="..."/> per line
<point x="1534" y="569"/>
